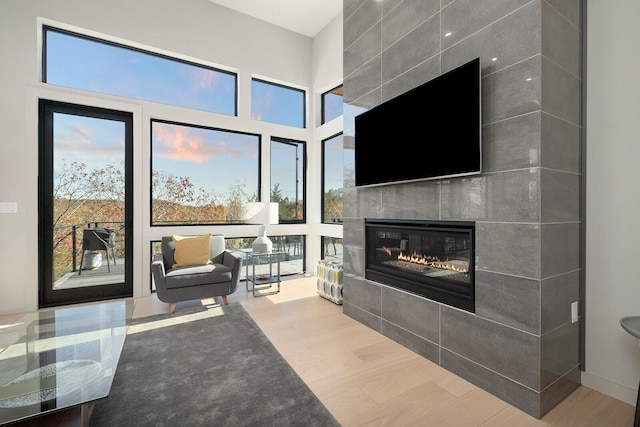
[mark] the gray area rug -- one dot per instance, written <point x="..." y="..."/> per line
<point x="206" y="368"/>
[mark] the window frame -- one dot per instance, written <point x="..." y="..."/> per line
<point x="282" y="85"/>
<point x="323" y="244"/>
<point x="323" y="119"/>
<point x="48" y="295"/>
<point x="322" y="180"/>
<point x="49" y="28"/>
<point x="151" y="169"/>
<point x="303" y="160"/>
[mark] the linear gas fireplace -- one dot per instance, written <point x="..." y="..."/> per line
<point x="434" y="259"/>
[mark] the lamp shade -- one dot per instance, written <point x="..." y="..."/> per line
<point x="262" y="213"/>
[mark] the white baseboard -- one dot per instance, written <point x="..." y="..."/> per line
<point x="615" y="390"/>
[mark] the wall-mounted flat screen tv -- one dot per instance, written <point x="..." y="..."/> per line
<point x="432" y="131"/>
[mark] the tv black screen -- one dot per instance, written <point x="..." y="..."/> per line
<point x="432" y="131"/>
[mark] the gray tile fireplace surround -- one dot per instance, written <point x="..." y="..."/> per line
<point x="520" y="344"/>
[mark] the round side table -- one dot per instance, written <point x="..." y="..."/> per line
<point x="631" y="324"/>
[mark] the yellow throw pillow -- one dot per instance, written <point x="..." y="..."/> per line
<point x="191" y="250"/>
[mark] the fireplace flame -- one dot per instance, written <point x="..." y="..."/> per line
<point x="430" y="261"/>
<point x="417" y="258"/>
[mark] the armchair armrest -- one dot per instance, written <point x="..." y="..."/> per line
<point x="233" y="261"/>
<point x="230" y="258"/>
<point x="157" y="269"/>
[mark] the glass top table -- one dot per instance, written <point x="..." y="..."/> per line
<point x="62" y="358"/>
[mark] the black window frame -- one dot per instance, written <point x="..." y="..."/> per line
<point x="304" y="100"/>
<point x="322" y="180"/>
<point x="172" y="122"/>
<point x="291" y="141"/>
<point x="49" y="28"/>
<point x="323" y="243"/>
<point x="323" y="119"/>
<point x="47" y="296"/>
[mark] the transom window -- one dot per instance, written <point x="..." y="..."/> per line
<point x="82" y="62"/>
<point x="332" y="103"/>
<point x="202" y="175"/>
<point x="276" y="103"/>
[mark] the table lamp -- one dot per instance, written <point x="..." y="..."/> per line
<point x="262" y="213"/>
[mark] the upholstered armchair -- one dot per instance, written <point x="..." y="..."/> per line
<point x="195" y="267"/>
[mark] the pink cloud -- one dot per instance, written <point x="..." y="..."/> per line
<point x="181" y="143"/>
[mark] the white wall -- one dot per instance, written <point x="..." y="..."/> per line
<point x="197" y="30"/>
<point x="613" y="196"/>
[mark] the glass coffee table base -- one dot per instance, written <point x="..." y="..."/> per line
<point x="74" y="416"/>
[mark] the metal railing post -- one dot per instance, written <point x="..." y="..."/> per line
<point x="74" y="250"/>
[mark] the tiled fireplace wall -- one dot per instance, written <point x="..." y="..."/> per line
<point x="520" y="344"/>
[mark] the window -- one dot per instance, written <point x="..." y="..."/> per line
<point x="332" y="179"/>
<point x="287" y="179"/>
<point x="332" y="248"/>
<point x="81" y="62"/>
<point x="332" y="104"/>
<point x="293" y="259"/>
<point x="202" y="175"/>
<point x="279" y="104"/>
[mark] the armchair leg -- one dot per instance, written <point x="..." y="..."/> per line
<point x="224" y="300"/>
<point x="172" y="308"/>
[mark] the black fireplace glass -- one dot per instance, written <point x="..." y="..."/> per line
<point x="434" y="259"/>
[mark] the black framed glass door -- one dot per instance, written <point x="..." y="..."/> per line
<point x="85" y="203"/>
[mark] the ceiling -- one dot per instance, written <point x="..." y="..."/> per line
<point x="306" y="17"/>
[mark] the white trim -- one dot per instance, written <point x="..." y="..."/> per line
<point x="280" y="82"/>
<point x="610" y="388"/>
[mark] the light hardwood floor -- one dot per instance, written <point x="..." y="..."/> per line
<point x="366" y="379"/>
